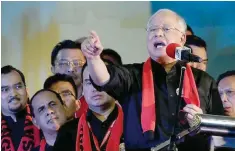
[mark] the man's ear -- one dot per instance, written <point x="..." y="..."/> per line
<point x="53" y="69"/>
<point x="78" y="104"/>
<point x="183" y="39"/>
<point x="35" y="123"/>
<point x="27" y="93"/>
<point x="82" y="93"/>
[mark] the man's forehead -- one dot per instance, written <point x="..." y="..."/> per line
<point x="61" y="85"/>
<point x="70" y="53"/>
<point x="162" y="16"/>
<point x="227" y="82"/>
<point x="45" y="96"/>
<point x="86" y="73"/>
<point x="200" y="51"/>
<point x="13" y="76"/>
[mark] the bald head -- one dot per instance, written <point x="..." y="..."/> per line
<point x="167" y="12"/>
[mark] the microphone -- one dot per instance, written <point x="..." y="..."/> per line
<point x="175" y="51"/>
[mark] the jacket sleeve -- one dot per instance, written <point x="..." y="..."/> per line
<point x="121" y="81"/>
<point x="66" y="138"/>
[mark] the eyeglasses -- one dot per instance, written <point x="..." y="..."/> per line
<point x="204" y="61"/>
<point x="66" y="93"/>
<point x="228" y="93"/>
<point x="166" y="30"/>
<point x="67" y="64"/>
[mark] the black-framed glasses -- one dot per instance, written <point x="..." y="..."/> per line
<point x="66" y="93"/>
<point x="66" y="64"/>
<point x="228" y="93"/>
<point x="204" y="61"/>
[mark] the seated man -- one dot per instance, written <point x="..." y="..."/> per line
<point x="226" y="86"/>
<point x="17" y="129"/>
<point x="99" y="129"/>
<point x="48" y="115"/>
<point x="65" y="86"/>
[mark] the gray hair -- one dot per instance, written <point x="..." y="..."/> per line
<point x="180" y="19"/>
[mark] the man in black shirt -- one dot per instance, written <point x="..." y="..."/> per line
<point x="159" y="78"/>
<point x="48" y="113"/>
<point x="101" y="125"/>
<point x="18" y="131"/>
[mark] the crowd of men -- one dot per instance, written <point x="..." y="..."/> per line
<point x="94" y="102"/>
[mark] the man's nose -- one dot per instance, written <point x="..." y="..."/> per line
<point x="224" y="97"/>
<point x="50" y="111"/>
<point x="13" y="92"/>
<point x="158" y="32"/>
<point x="70" y="68"/>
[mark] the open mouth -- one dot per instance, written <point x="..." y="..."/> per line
<point x="159" y="44"/>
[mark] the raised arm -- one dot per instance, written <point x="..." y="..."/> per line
<point x="115" y="80"/>
<point x="92" y="49"/>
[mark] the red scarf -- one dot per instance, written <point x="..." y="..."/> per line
<point x="148" y="114"/>
<point x="42" y="145"/>
<point x="83" y="108"/>
<point x="113" y="135"/>
<point x="30" y="139"/>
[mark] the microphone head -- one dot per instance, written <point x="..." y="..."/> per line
<point x="170" y="49"/>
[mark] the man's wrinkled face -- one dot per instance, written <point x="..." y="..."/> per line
<point x="49" y="113"/>
<point x="163" y="29"/>
<point x="226" y="88"/>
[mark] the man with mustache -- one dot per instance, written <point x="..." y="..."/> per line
<point x="18" y="131"/>
<point x="148" y="91"/>
<point x="67" y="58"/>
<point x="48" y="114"/>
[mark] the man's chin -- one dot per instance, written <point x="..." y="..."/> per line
<point x="16" y="109"/>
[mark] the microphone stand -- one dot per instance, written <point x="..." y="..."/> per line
<point x="173" y="138"/>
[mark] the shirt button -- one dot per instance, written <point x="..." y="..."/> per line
<point x="104" y="126"/>
<point x="173" y="114"/>
<point x="171" y="95"/>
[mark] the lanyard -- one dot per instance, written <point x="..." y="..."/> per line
<point x="105" y="139"/>
<point x="42" y="145"/>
